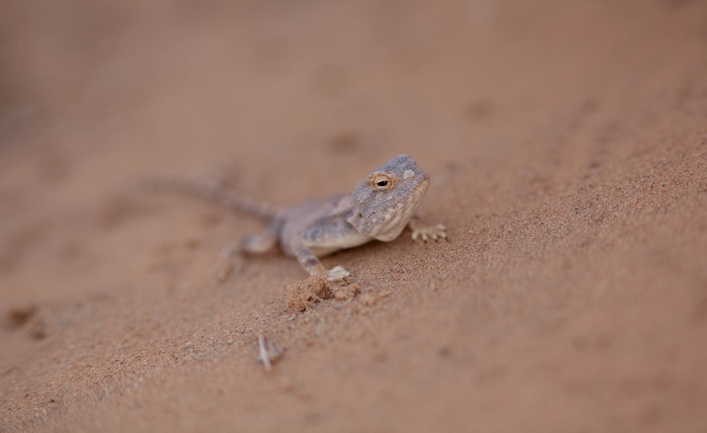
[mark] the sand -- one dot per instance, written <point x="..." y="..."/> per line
<point x="567" y="148"/>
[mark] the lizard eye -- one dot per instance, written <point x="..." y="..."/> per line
<point x="381" y="182"/>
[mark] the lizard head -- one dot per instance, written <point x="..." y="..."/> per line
<point x="387" y="198"/>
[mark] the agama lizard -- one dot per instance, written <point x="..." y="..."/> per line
<point x="379" y="208"/>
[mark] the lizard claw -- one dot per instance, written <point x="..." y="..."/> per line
<point x="336" y="274"/>
<point x="429" y="233"/>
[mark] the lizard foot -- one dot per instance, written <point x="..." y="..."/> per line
<point x="336" y="274"/>
<point x="431" y="233"/>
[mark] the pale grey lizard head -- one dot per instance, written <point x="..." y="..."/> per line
<point x="387" y="198"/>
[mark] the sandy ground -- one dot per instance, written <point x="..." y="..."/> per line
<point x="567" y="147"/>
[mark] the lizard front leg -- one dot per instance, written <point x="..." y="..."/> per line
<point x="424" y="232"/>
<point x="311" y="263"/>
<point x="325" y="236"/>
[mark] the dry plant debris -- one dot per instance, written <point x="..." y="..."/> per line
<point x="268" y="352"/>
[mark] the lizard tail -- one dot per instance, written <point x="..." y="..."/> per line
<point x="215" y="194"/>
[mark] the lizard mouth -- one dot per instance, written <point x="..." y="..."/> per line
<point x="425" y="183"/>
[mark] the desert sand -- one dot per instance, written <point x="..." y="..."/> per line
<point x="566" y="143"/>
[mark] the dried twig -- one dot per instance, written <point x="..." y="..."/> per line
<point x="263" y="355"/>
<point x="267" y="353"/>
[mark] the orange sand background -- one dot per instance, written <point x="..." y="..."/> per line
<point x="567" y="147"/>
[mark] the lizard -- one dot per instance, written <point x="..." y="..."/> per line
<point x="379" y="208"/>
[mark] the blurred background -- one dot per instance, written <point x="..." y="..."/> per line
<point x="177" y="85"/>
<point x="116" y="89"/>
